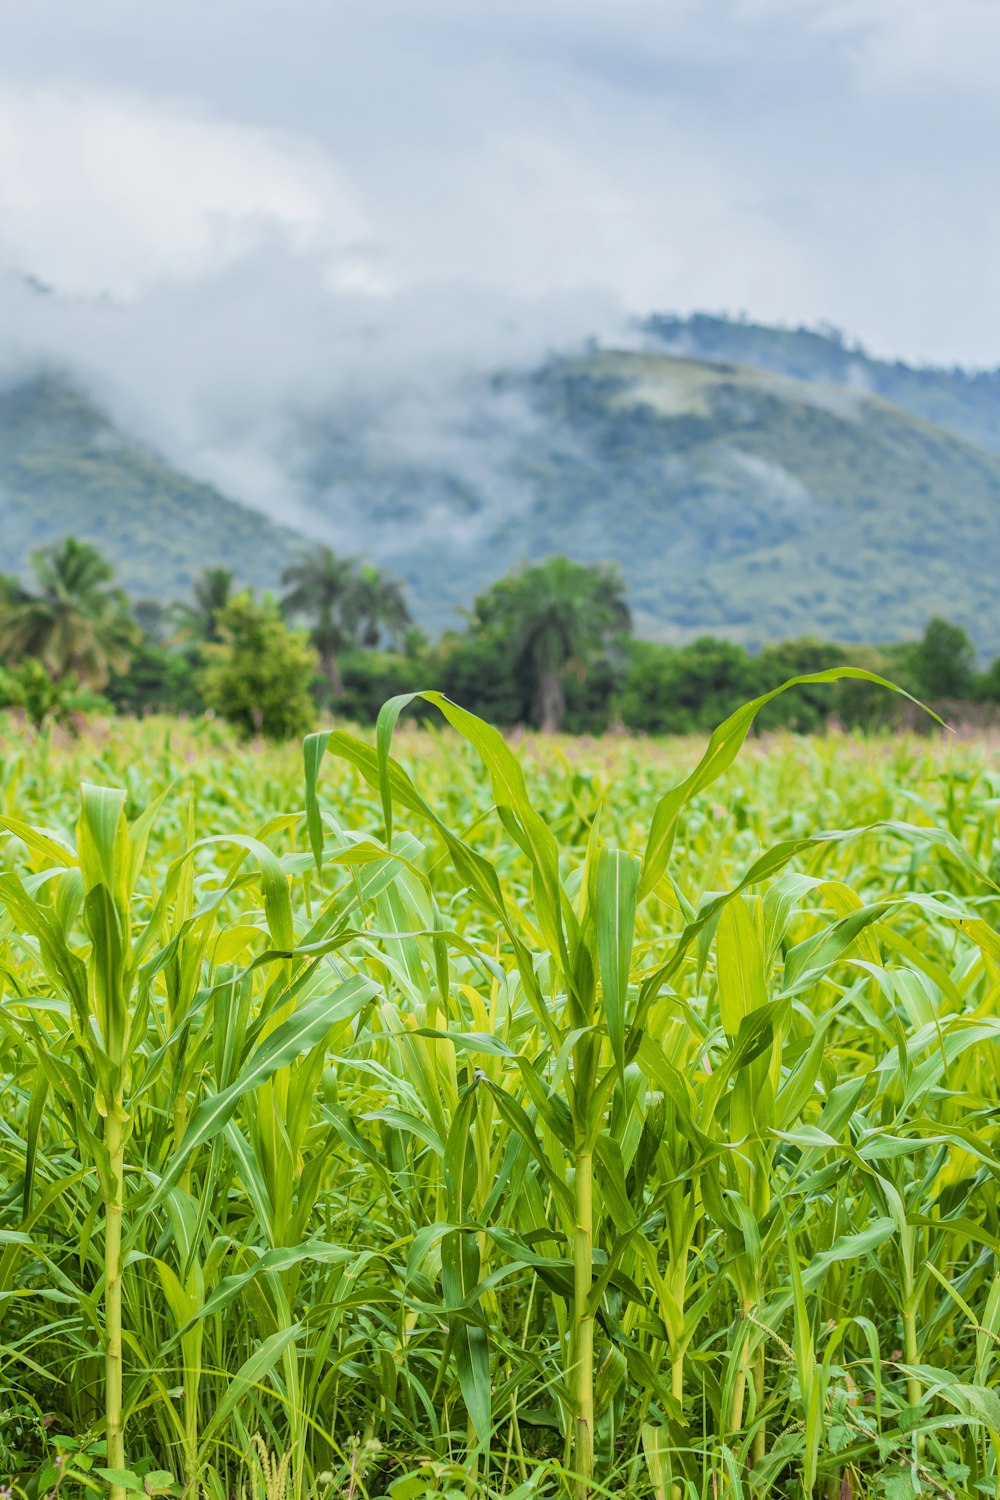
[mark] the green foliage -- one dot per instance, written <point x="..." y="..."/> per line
<point x="671" y="690"/>
<point x="77" y="623"/>
<point x="546" y="644"/>
<point x="810" y="709"/>
<point x="370" y="677"/>
<point x="942" y="661"/>
<point x="198" y="620"/>
<point x="28" y="688"/>
<point x="379" y="608"/>
<point x="986" y="685"/>
<point x="687" y="689"/>
<point x="160" y="679"/>
<point x="476" y="669"/>
<point x="346" y="604"/>
<point x="550" y="621"/>
<point x="259" y="674"/>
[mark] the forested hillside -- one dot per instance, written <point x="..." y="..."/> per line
<point x="967" y="401"/>
<point x="750" y="502"/>
<point x="67" y="469"/>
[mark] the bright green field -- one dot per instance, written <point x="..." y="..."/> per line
<point x="520" y="1157"/>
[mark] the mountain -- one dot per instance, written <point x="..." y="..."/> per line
<point x="761" y="506"/>
<point x="65" y="468"/>
<point x="757" y="500"/>
<point x="738" y="501"/>
<point x="966" y="401"/>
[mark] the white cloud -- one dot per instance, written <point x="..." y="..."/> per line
<point x="799" y="159"/>
<point x="289" y="207"/>
<point x="107" y="193"/>
<point x="224" y="371"/>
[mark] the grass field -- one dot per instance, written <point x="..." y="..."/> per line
<point x="456" y="1117"/>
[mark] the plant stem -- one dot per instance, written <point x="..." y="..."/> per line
<point x="760" y="1436"/>
<point x="583" y="1338"/>
<point x="114" y="1139"/>
<point x="677" y="1390"/>
<point x="911" y="1353"/>
<point x="677" y="1376"/>
<point x="740" y="1385"/>
<point x="180" y="1128"/>
<point x="914" y="1390"/>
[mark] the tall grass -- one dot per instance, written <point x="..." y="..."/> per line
<point x="473" y="1122"/>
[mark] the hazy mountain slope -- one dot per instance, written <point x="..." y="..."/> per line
<point x="737" y="501"/>
<point x="765" y="507"/>
<point x="65" y="468"/>
<point x="966" y="401"/>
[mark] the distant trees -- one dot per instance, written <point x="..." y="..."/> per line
<point x="552" y="619"/>
<point x="197" y="620"/>
<point x="669" y="690"/>
<point x="549" y="646"/>
<point x="380" y="611"/>
<point x="75" y="622"/>
<point x="344" y="604"/>
<point x="943" y="662"/>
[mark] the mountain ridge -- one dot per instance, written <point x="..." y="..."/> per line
<point x="67" y="468"/>
<point x="740" y="499"/>
<point x="967" y="401"/>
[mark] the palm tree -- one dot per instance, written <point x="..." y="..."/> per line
<point x="379" y="604"/>
<point x="554" y="617"/>
<point x="77" y="621"/>
<point x="210" y="592"/>
<point x="12" y="590"/>
<point x="321" y="588"/>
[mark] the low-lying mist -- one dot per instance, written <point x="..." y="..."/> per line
<point x="376" y="422"/>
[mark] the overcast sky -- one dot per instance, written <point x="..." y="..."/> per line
<point x="797" y="159"/>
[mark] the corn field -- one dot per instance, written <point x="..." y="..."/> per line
<point x="435" y="1116"/>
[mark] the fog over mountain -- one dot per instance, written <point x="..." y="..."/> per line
<point x="750" y="481"/>
<point x="385" y="274"/>
<point x="802" y="159"/>
<point x="228" y="375"/>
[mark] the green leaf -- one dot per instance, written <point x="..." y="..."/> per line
<point x="740" y="966"/>
<point x="125" y="1478"/>
<point x="250" y="1377"/>
<point x="313" y="748"/>
<point x="460" y="1263"/>
<point x="305" y="1029"/>
<point x="723" y="748"/>
<point x="848" y="1247"/>
<point x="617" y="884"/>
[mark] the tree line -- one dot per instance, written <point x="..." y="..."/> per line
<point x="550" y="646"/>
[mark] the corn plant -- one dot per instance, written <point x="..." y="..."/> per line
<point x="498" y="1123"/>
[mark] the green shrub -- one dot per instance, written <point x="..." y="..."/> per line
<point x="158" y="680"/>
<point x="259" y="674"/>
<point x="27" y="687"/>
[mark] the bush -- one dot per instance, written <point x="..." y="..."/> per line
<point x="369" y="678"/>
<point x="28" y="688"/>
<point x="158" y="681"/>
<point x="808" y="709"/>
<point x="681" y="690"/>
<point x="942" y="662"/>
<point x="478" y="672"/>
<point x="259" y="674"/>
